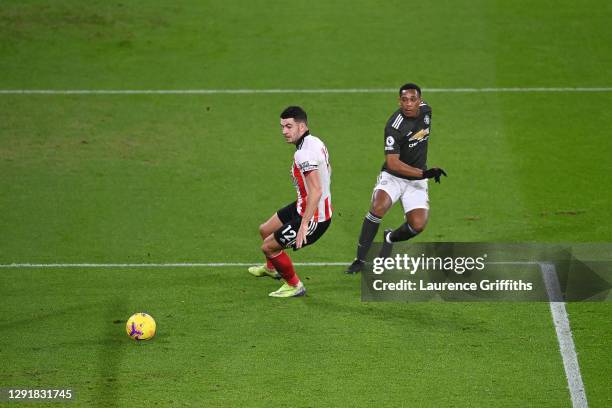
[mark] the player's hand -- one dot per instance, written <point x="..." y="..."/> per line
<point x="300" y="239"/>
<point x="435" y="173"/>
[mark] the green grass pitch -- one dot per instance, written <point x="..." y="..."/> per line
<point x="188" y="178"/>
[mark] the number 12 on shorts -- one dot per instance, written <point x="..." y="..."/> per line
<point x="288" y="234"/>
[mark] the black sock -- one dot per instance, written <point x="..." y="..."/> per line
<point x="368" y="232"/>
<point x="403" y="233"/>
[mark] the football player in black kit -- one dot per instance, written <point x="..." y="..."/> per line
<point x="403" y="176"/>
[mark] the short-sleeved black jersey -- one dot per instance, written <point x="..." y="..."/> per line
<point x="408" y="137"/>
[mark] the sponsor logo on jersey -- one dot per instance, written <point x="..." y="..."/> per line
<point x="420" y="134"/>
<point x="419" y="137"/>
<point x="416" y="143"/>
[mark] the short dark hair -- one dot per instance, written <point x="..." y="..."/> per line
<point x="410" y="85"/>
<point x="296" y="113"/>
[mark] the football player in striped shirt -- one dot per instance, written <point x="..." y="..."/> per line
<point x="403" y="176"/>
<point x="305" y="220"/>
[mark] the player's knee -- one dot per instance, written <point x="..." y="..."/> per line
<point x="265" y="248"/>
<point x="378" y="210"/>
<point x="262" y="231"/>
<point x="270" y="247"/>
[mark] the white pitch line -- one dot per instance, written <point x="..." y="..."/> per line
<point x="564" y="336"/>
<point x="557" y="306"/>
<point x="192" y="264"/>
<point x="155" y="265"/>
<point x="288" y="91"/>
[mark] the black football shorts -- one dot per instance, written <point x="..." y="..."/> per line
<point x="291" y="220"/>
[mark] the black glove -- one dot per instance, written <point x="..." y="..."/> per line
<point x="435" y="173"/>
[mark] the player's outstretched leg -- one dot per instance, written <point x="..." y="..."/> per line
<point x="414" y="225"/>
<point x="264" y="270"/>
<point x="265" y="230"/>
<point x="403" y="233"/>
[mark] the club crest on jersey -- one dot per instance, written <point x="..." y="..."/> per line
<point x="427" y="119"/>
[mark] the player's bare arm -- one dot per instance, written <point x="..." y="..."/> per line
<point x="396" y="165"/>
<point x="313" y="184"/>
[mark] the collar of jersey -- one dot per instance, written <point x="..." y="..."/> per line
<point x="300" y="141"/>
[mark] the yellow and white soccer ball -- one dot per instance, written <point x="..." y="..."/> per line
<point x="140" y="326"/>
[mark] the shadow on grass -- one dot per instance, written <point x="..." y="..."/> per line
<point x="37" y="318"/>
<point x="110" y="354"/>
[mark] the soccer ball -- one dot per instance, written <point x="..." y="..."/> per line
<point x="140" y="326"/>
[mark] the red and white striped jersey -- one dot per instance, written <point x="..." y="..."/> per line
<point x="311" y="154"/>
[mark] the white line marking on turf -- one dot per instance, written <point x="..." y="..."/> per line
<point x="155" y="265"/>
<point x="564" y="336"/>
<point x="190" y="264"/>
<point x="557" y="307"/>
<point x="195" y="264"/>
<point x="287" y="91"/>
